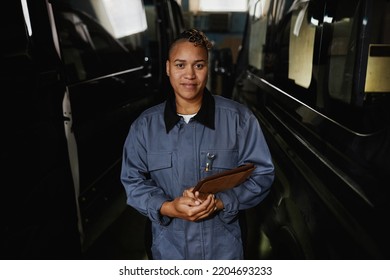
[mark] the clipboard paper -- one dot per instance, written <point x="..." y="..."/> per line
<point x="224" y="180"/>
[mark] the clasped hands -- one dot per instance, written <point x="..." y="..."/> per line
<point x="191" y="206"/>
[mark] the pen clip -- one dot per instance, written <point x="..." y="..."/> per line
<point x="209" y="161"/>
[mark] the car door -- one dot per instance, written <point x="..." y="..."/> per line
<point x="111" y="54"/>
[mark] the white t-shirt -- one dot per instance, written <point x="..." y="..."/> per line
<point x="187" y="117"/>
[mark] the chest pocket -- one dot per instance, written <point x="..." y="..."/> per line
<point x="214" y="161"/>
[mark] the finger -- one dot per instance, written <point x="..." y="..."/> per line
<point x="188" y="193"/>
<point x="211" y="208"/>
<point x="194" y="202"/>
<point x="187" y="202"/>
<point x="200" y="196"/>
<point x="206" y="214"/>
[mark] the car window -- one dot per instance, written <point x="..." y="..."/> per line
<point x="91" y="47"/>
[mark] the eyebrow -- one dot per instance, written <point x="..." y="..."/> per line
<point x="183" y="60"/>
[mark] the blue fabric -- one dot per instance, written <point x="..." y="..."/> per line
<point x="159" y="163"/>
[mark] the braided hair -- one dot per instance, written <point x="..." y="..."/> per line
<point x="194" y="36"/>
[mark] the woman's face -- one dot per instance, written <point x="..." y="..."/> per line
<point x="187" y="68"/>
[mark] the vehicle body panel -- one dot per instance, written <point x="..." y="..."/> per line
<point x="305" y="77"/>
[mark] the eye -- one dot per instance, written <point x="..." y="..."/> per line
<point x="199" y="66"/>
<point x="179" y="65"/>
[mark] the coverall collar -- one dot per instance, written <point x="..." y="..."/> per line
<point x="205" y="115"/>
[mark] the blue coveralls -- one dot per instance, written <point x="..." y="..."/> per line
<point x="163" y="155"/>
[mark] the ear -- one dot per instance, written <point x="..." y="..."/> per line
<point x="167" y="67"/>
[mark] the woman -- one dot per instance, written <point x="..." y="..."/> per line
<point x="193" y="134"/>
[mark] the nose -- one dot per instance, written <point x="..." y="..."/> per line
<point x="190" y="73"/>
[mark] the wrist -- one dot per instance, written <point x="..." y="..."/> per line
<point x="219" y="204"/>
<point x="165" y="209"/>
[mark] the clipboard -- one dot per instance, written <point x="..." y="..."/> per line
<point x="224" y="180"/>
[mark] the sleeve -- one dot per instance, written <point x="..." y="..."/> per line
<point x="253" y="148"/>
<point x="142" y="192"/>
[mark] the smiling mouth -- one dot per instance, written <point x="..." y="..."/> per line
<point x="188" y="85"/>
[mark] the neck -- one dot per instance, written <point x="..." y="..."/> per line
<point x="188" y="108"/>
<point x="187" y="111"/>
